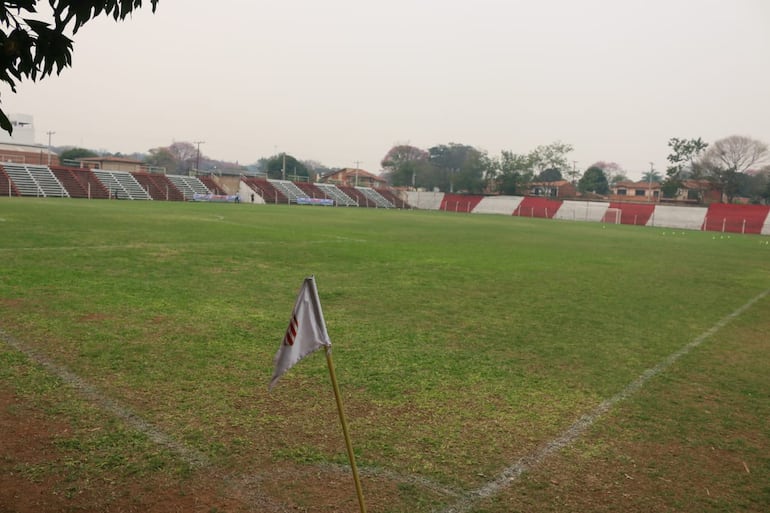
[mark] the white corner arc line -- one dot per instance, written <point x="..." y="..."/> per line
<point x="188" y="454"/>
<point x="511" y="473"/>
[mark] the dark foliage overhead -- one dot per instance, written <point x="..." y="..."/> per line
<point x="32" y="49"/>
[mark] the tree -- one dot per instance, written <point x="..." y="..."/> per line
<point x="76" y="153"/>
<point x="612" y="170"/>
<point x="178" y="157"/>
<point x="683" y="155"/>
<point x="652" y="176"/>
<point x="31" y="48"/>
<point x="549" y="175"/>
<point x="162" y="157"/>
<point x="682" y="165"/>
<point x="754" y="185"/>
<point x="551" y="156"/>
<point x="185" y="154"/>
<point x="514" y="172"/>
<point x="285" y="167"/>
<point x="728" y="158"/>
<point x="459" y="167"/>
<point x="316" y="169"/>
<point x="404" y="165"/>
<point x="594" y="180"/>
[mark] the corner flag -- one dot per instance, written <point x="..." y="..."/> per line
<point x="306" y="332"/>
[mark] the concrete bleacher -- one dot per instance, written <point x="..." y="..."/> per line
<point x="311" y="191"/>
<point x="248" y="194"/>
<point x="359" y="197"/>
<point x="7" y="187"/>
<point x="686" y="218"/>
<point x="378" y="199"/>
<point x="504" y="205"/>
<point x="339" y="197"/>
<point x="265" y="190"/>
<point x="80" y="182"/>
<point x="189" y="186"/>
<point x="288" y="188"/>
<point x="38" y="181"/>
<point x="158" y="186"/>
<point x="70" y="182"/>
<point x="211" y="185"/>
<point x="572" y="210"/>
<point x="532" y="206"/>
<point x="396" y="200"/>
<point x="121" y="184"/>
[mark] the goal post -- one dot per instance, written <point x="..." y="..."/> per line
<point x="612" y="216"/>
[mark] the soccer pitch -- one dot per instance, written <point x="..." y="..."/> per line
<point x="487" y="363"/>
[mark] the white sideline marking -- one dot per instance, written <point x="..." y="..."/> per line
<point x="131" y="418"/>
<point x="510" y="474"/>
<point x="178" y="245"/>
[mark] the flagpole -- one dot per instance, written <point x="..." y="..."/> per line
<point x="344" y="423"/>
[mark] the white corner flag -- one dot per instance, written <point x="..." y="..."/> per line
<point x="306" y="332"/>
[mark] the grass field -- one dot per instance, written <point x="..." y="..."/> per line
<point x="137" y="338"/>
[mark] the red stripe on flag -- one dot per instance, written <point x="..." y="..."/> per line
<point x="291" y="331"/>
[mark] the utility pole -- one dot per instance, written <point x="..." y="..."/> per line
<point x="283" y="168"/>
<point x="649" y="181"/>
<point x="198" y="156"/>
<point x="50" y="133"/>
<point x="574" y="171"/>
<point x="358" y="163"/>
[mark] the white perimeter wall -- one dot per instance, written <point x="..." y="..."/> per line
<point x="424" y="200"/>
<point x="498" y="205"/>
<point x="688" y="218"/>
<point x="245" y="192"/>
<point x="571" y="210"/>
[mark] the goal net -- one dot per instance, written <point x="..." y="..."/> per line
<point x="612" y="216"/>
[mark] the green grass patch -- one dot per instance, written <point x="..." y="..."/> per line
<point x="461" y="342"/>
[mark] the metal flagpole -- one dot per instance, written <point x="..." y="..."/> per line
<point x="344" y="423"/>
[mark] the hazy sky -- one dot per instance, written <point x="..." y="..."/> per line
<point x="341" y="81"/>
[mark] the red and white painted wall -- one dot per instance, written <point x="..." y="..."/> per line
<point x="719" y="217"/>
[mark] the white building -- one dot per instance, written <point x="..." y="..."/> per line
<point x="23" y="130"/>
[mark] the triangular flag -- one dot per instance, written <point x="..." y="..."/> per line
<point x="306" y="332"/>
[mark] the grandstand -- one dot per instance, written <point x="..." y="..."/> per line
<point x="159" y="187"/>
<point x="211" y="185"/>
<point x="339" y="197"/>
<point x="266" y="190"/>
<point x="29" y="180"/>
<point x="392" y="197"/>
<point x="288" y="189"/>
<point x="189" y="186"/>
<point x="374" y="196"/>
<point x="121" y="184"/>
<point x="60" y="181"/>
<point x="312" y="191"/>
<point x="80" y="182"/>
